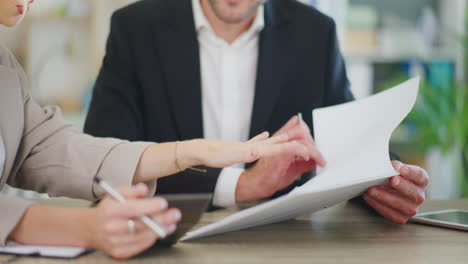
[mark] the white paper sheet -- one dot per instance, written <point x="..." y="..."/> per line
<point x="354" y="139"/>
<point x="44" y="251"/>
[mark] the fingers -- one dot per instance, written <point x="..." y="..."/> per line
<point x="290" y="124"/>
<point x="385" y="210"/>
<point x="131" y="244"/>
<point x="265" y="148"/>
<point x="283" y="138"/>
<point x="135" y="192"/>
<point x="397" y="165"/>
<point x="289" y="149"/>
<point x="415" y="174"/>
<point x="316" y="155"/>
<point x="295" y="149"/>
<point x="126" y="238"/>
<point x="408" y="189"/>
<point x="412" y="173"/>
<point x="394" y="201"/>
<point x="167" y="219"/>
<point x="261" y="137"/>
<point x="137" y="208"/>
<point x="302" y="134"/>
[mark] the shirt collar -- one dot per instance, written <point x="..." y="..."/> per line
<point x="202" y="23"/>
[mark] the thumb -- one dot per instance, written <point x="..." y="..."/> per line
<point x="397" y="165"/>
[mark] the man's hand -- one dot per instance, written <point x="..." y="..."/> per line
<point x="399" y="199"/>
<point x="275" y="173"/>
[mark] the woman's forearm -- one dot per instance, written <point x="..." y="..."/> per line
<point x="159" y="160"/>
<point x="42" y="225"/>
<point x="165" y="159"/>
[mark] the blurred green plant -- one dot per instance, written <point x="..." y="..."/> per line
<point x="441" y="120"/>
<point x="440" y="116"/>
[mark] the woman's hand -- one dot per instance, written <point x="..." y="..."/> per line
<point x="112" y="234"/>
<point x="165" y="159"/>
<point x="219" y="154"/>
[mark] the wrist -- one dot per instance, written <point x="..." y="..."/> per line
<point x="187" y="154"/>
<point x="87" y="221"/>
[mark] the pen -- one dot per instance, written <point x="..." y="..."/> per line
<point x="145" y="219"/>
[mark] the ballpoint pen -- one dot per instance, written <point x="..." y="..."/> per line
<point x="158" y="229"/>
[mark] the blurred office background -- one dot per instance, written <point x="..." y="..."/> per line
<point x="61" y="45"/>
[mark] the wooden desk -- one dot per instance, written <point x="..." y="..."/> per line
<point x="346" y="233"/>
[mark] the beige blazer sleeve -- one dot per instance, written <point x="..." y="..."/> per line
<point x="57" y="159"/>
<point x="48" y="155"/>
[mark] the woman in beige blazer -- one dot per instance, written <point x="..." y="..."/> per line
<point x="40" y="151"/>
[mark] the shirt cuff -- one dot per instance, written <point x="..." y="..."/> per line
<point x="225" y="190"/>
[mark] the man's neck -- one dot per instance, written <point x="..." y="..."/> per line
<point x="228" y="32"/>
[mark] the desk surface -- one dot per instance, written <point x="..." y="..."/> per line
<point x="346" y="233"/>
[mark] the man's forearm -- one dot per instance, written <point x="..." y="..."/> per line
<point x="55" y="226"/>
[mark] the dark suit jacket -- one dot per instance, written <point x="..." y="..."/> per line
<point x="149" y="87"/>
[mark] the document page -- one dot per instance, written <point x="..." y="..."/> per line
<point x="354" y="139"/>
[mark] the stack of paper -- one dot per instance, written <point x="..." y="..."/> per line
<point x="354" y="139"/>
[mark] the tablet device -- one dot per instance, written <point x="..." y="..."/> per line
<point x="451" y="218"/>
<point x="192" y="207"/>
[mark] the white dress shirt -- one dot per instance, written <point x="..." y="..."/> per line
<point x="228" y="76"/>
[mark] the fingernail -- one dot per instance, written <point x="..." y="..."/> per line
<point x="374" y="192"/>
<point x="176" y="215"/>
<point x="284" y="135"/>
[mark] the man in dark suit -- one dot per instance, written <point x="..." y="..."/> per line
<point x="230" y="69"/>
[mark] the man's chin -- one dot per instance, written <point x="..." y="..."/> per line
<point x="233" y="19"/>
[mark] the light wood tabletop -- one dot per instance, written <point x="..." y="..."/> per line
<point x="347" y="233"/>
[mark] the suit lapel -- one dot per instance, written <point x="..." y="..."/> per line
<point x="11" y="117"/>
<point x="179" y="53"/>
<point x="269" y="79"/>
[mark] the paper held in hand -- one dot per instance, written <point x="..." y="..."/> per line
<point x="354" y="139"/>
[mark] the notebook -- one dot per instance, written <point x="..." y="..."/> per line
<point x="44" y="251"/>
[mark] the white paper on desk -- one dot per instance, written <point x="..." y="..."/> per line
<point x="354" y="139"/>
<point x="43" y="251"/>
